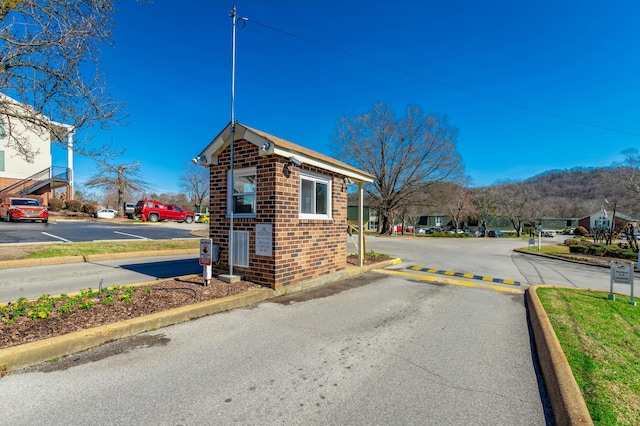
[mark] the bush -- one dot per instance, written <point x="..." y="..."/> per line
<point x="579" y="249"/>
<point x="571" y="242"/>
<point x="581" y="231"/>
<point x="597" y="250"/>
<point x="73" y="205"/>
<point x="55" y="204"/>
<point x="89" y="208"/>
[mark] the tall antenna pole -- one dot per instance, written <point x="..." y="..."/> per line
<point x="234" y="19"/>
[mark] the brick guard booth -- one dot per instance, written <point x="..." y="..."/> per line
<point x="290" y="216"/>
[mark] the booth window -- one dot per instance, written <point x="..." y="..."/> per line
<point x="315" y="196"/>
<point x="243" y="198"/>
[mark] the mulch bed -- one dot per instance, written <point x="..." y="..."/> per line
<point x="163" y="296"/>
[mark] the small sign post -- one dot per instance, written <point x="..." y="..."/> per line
<point x="539" y="237"/>
<point x="622" y="273"/>
<point x="206" y="248"/>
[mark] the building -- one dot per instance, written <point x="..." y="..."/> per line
<point x="602" y="220"/>
<point x="36" y="175"/>
<point x="278" y="211"/>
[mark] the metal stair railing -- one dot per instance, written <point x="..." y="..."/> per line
<point x="38" y="180"/>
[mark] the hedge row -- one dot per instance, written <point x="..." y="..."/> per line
<point x="602" y="250"/>
<point x="56" y="205"/>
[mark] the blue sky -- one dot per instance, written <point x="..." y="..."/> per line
<point x="171" y="65"/>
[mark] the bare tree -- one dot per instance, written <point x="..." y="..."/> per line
<point x="195" y="182"/>
<point x="404" y="154"/>
<point x="516" y="202"/>
<point x="459" y="206"/>
<point x="49" y="61"/>
<point x="118" y="179"/>
<point x="485" y="201"/>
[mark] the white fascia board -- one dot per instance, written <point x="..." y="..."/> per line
<point x="357" y="177"/>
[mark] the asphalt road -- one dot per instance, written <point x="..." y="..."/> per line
<point x="479" y="256"/>
<point x="56" y="279"/>
<point x="495" y="258"/>
<point x="376" y="349"/>
<point x="371" y="350"/>
<point x="86" y="231"/>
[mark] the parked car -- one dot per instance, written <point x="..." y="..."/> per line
<point x="202" y="217"/>
<point x="421" y="230"/>
<point x="549" y="234"/>
<point x="106" y="214"/>
<point x="21" y="209"/>
<point x="128" y="210"/>
<point x="456" y="231"/>
<point x="495" y="234"/>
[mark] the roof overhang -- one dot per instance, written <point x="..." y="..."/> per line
<point x="270" y="145"/>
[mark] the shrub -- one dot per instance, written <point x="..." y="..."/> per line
<point x="89" y="208"/>
<point x="55" y="204"/>
<point x="581" y="231"/>
<point x="629" y="254"/>
<point x="73" y="205"/>
<point x="571" y="242"/>
<point x="615" y="252"/>
<point x="580" y="249"/>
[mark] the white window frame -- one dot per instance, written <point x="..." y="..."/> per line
<point x="305" y="176"/>
<point x="250" y="171"/>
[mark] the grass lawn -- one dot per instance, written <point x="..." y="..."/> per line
<point x="601" y="340"/>
<point x="79" y="249"/>
<point x="548" y="248"/>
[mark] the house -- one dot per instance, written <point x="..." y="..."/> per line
<point x="278" y="211"/>
<point x="35" y="175"/>
<point x="600" y="219"/>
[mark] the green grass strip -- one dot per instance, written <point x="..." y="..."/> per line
<point x="601" y="340"/>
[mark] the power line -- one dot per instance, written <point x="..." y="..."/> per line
<point x="441" y="83"/>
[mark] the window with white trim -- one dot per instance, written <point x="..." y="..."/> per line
<point x="243" y="197"/>
<point x="315" y="196"/>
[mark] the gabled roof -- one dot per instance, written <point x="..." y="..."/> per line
<point x="270" y="145"/>
<point x="619" y="215"/>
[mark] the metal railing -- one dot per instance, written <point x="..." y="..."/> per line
<point x="36" y="181"/>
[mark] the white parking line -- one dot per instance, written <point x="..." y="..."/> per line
<point x="131" y="235"/>
<point x="55" y="236"/>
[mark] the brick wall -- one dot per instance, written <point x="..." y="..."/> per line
<point x="302" y="249"/>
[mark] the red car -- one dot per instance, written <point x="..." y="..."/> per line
<point x="22" y="209"/>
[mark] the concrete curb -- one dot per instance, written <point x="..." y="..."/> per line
<point x="566" y="400"/>
<point x="22" y="356"/>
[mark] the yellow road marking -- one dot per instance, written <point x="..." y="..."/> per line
<point x="447" y="281"/>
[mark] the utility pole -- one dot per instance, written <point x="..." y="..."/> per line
<point x="234" y="23"/>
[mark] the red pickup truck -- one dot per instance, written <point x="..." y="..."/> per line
<point x="154" y="211"/>
<point x="15" y="209"/>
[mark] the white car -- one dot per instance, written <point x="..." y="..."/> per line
<point x="106" y="213"/>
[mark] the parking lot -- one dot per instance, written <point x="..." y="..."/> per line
<point x="84" y="231"/>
